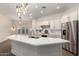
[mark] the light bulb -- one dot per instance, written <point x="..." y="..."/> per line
<point x="19" y="14"/>
<point x="19" y="22"/>
<point x="16" y="9"/>
<point x="27" y="6"/>
<point x="36" y="6"/>
<point x="58" y="7"/>
<point x="24" y="12"/>
<point x="13" y="29"/>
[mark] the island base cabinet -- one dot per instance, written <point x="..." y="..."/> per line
<point x="23" y="49"/>
<point x="50" y="50"/>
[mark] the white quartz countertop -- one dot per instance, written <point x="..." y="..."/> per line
<point x="37" y="42"/>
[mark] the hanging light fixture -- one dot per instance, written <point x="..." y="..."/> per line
<point x="21" y="9"/>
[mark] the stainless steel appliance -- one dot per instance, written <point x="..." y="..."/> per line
<point x="71" y="34"/>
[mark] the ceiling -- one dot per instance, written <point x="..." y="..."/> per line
<point x="9" y="9"/>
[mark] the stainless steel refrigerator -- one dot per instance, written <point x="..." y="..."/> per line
<point x="72" y="34"/>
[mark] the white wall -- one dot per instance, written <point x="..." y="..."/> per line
<point x="53" y="20"/>
<point x="5" y="25"/>
<point x="56" y="19"/>
<point x="70" y="15"/>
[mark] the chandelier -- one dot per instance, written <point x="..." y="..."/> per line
<point x="21" y="9"/>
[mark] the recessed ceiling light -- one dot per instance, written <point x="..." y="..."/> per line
<point x="36" y="6"/>
<point x="58" y="7"/>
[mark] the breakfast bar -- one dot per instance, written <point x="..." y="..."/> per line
<point x="23" y="45"/>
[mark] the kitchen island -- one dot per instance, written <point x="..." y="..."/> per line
<point x="22" y="45"/>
